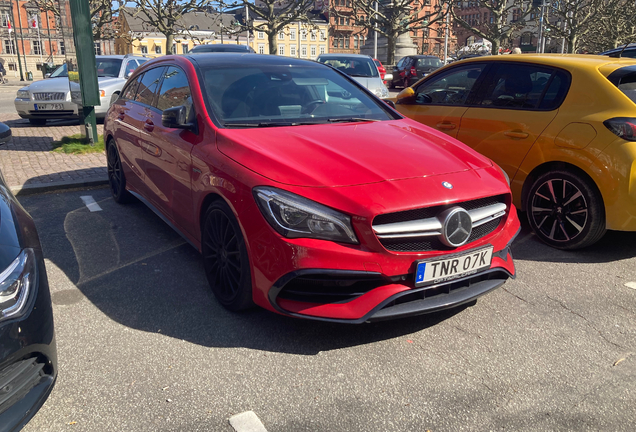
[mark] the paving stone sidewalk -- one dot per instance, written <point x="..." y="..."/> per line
<point x="29" y="166"/>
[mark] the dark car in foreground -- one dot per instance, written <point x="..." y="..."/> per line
<point x="209" y="48"/>
<point x="306" y="194"/>
<point x="28" y="359"/>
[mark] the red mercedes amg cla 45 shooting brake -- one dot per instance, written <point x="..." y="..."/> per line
<point x="306" y="194"/>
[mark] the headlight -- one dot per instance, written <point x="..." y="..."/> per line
<point x="503" y="172"/>
<point x="381" y="92"/>
<point x="294" y="216"/>
<point x="23" y="94"/>
<point x="16" y="283"/>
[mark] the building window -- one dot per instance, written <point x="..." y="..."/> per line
<point x="526" y="39"/>
<point x="312" y="51"/>
<point x="312" y="36"/>
<point x="4" y="18"/>
<point x="157" y="49"/>
<point x="323" y="35"/>
<point x="516" y="14"/>
<point x="292" y="34"/>
<point x="261" y="48"/>
<point x="144" y="49"/>
<point x="323" y="49"/>
<point x="62" y="48"/>
<point x="281" y="35"/>
<point x="346" y="42"/>
<point x="36" y="48"/>
<point x="12" y="67"/>
<point x="98" y="48"/>
<point x="303" y="35"/>
<point x="355" y="42"/>
<point x="9" y="47"/>
<point x="292" y="50"/>
<point x="261" y="35"/>
<point x="281" y="50"/>
<point x="303" y="51"/>
<point x="185" y="48"/>
<point x="425" y="48"/>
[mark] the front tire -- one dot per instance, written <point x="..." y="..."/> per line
<point x="225" y="259"/>
<point x="565" y="210"/>
<point x="116" y="178"/>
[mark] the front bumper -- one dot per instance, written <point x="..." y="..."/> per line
<point x="27" y="109"/>
<point x="28" y="358"/>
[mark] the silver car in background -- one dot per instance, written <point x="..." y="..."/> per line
<point x="51" y="98"/>
<point x="361" y="68"/>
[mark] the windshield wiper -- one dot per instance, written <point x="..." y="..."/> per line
<point x="351" y="120"/>
<point x="264" y="124"/>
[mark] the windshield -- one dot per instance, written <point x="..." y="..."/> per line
<point x="108" y="67"/>
<point x="352" y="66"/>
<point x="429" y="62"/>
<point x="105" y="68"/>
<point x="276" y="95"/>
<point x="60" y="72"/>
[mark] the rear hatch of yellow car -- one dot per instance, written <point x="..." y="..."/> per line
<point x="622" y="74"/>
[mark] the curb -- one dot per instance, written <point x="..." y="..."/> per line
<point x="58" y="185"/>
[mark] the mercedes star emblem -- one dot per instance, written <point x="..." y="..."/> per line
<point x="457" y="226"/>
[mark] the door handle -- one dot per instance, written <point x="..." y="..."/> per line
<point x="149" y="125"/>
<point x="446" y="126"/>
<point x="516" y="134"/>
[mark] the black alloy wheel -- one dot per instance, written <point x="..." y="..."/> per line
<point x="116" y="178"/>
<point x="225" y="258"/>
<point x="565" y="210"/>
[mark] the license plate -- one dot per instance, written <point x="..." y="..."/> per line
<point x="441" y="270"/>
<point x="48" y="107"/>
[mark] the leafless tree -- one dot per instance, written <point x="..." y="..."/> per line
<point x="393" y="18"/>
<point x="165" y="15"/>
<point x="272" y="17"/>
<point x="615" y="26"/>
<point x="103" y="15"/>
<point x="573" y="20"/>
<point x="505" y="19"/>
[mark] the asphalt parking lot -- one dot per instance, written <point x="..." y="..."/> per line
<point x="143" y="345"/>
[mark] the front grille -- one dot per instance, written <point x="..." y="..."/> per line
<point x="432" y="243"/>
<point x="330" y="288"/>
<point x="50" y="96"/>
<point x="18" y="379"/>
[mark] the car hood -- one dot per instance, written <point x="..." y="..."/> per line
<point x="370" y="83"/>
<point x="50" y="85"/>
<point x="348" y="154"/>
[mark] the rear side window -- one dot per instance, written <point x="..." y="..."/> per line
<point x="148" y="86"/>
<point x="523" y="86"/>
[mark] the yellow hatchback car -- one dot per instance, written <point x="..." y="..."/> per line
<point x="563" y="128"/>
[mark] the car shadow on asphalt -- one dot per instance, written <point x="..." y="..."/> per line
<point x="614" y="246"/>
<point x="141" y="274"/>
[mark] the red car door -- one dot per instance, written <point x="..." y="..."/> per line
<point x="126" y="126"/>
<point x="167" y="151"/>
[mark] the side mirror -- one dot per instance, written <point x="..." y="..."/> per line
<point x="175" y="117"/>
<point x="48" y="75"/>
<point x="388" y="77"/>
<point x="5" y="133"/>
<point x="406" y="96"/>
<point x="389" y="102"/>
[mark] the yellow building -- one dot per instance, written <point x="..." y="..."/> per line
<point x="296" y="40"/>
<point x="196" y="28"/>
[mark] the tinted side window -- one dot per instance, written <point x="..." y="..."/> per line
<point x="175" y="91"/>
<point x="148" y="86"/>
<point x="130" y="91"/>
<point x="556" y="92"/>
<point x="516" y="86"/>
<point x="451" y="88"/>
<point x="401" y="62"/>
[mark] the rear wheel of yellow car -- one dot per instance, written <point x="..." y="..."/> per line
<point x="565" y="210"/>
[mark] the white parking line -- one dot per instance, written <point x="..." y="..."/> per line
<point x="247" y="422"/>
<point x="631" y="285"/>
<point x="90" y="203"/>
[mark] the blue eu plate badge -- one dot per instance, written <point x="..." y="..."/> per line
<point x="421" y="269"/>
